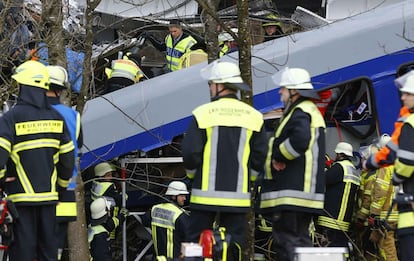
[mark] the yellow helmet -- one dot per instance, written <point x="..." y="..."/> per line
<point x="32" y="73"/>
<point x="271" y="19"/>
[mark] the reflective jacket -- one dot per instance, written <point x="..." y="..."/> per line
<point x="169" y="227"/>
<point x="176" y="49"/>
<point x="124" y="68"/>
<point x="403" y="174"/>
<point x="299" y="142"/>
<point x="36" y="146"/>
<point x="99" y="243"/>
<point x="66" y="208"/>
<point x="387" y="154"/>
<point x="364" y="197"/>
<point x="382" y="195"/>
<point x="342" y="183"/>
<point x="224" y="147"/>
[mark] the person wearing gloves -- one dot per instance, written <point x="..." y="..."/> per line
<point x="294" y="181"/>
<point x="224" y="149"/>
<point x="102" y="224"/>
<point x="341" y="187"/>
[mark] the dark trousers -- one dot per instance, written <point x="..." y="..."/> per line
<point x="406" y="244"/>
<point x="34" y="232"/>
<point x="290" y="230"/>
<point x="235" y="224"/>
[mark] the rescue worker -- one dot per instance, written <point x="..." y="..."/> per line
<point x="176" y="43"/>
<point x="364" y="199"/>
<point x="169" y="221"/>
<point x="66" y="210"/>
<point x="403" y="174"/>
<point x="37" y="152"/>
<point x="382" y="222"/>
<point x="272" y="28"/>
<point x="104" y="185"/>
<point x="293" y="187"/>
<point x="123" y="72"/>
<point x="342" y="184"/>
<point x="223" y="150"/>
<point x="227" y="43"/>
<point x="102" y="224"/>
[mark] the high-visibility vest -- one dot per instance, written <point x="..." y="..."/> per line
<point x="125" y="68"/>
<point x="174" y="52"/>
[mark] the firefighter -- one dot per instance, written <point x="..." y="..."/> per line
<point x="104" y="185"/>
<point x="123" y="72"/>
<point x="36" y="146"/>
<point x="66" y="210"/>
<point x="342" y="184"/>
<point x="102" y="224"/>
<point x="293" y="187"/>
<point x="176" y="43"/>
<point x="169" y="221"/>
<point x="227" y="43"/>
<point x="382" y="222"/>
<point x="272" y="28"/>
<point x="403" y="174"/>
<point x="364" y="199"/>
<point x="223" y="150"/>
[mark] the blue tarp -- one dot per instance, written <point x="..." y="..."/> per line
<point x="75" y="63"/>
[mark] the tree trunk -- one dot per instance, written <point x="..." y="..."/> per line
<point x="211" y="21"/>
<point x="244" y="42"/>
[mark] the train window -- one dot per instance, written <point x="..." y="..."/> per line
<point x="349" y="105"/>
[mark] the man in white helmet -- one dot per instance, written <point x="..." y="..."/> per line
<point x="102" y="224"/>
<point x="224" y="149"/>
<point x="66" y="210"/>
<point x="293" y="187"/>
<point x="342" y="184"/>
<point x="403" y="173"/>
<point x="169" y="221"/>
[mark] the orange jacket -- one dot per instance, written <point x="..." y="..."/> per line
<point x="387" y="154"/>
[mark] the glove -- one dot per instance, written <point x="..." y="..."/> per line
<point x="124" y="212"/>
<point x="374" y="221"/>
<point x="376" y="235"/>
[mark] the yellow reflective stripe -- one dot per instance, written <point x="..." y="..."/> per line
<point x="33" y="197"/>
<point x="170" y="243"/>
<point x="66" y="209"/>
<point x="35" y="127"/>
<point x="283" y="147"/>
<point x="268" y="164"/>
<point x="35" y="144"/>
<point x="5" y="144"/>
<point x="206" y="161"/>
<point x="403" y="169"/>
<point x="406" y="220"/>
<point x="245" y="160"/>
<point x="307" y="203"/>
<point x="78" y="126"/>
<point x="2" y="173"/>
<point x="333" y="223"/>
<point x="344" y="201"/>
<point x="64" y="183"/>
<point x="220" y="202"/>
<point x="364" y="211"/>
<point x="24" y="180"/>
<point x="65" y="148"/>
<point x="154" y="238"/>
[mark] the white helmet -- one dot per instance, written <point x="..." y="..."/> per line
<point x="176" y="188"/>
<point x="102" y="168"/>
<point x="385" y="138"/>
<point x="225" y="36"/>
<point x="295" y="79"/>
<point x="224" y="72"/>
<point x="345" y="148"/>
<point x="100" y="207"/>
<point x="58" y="75"/>
<point x="408" y="85"/>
